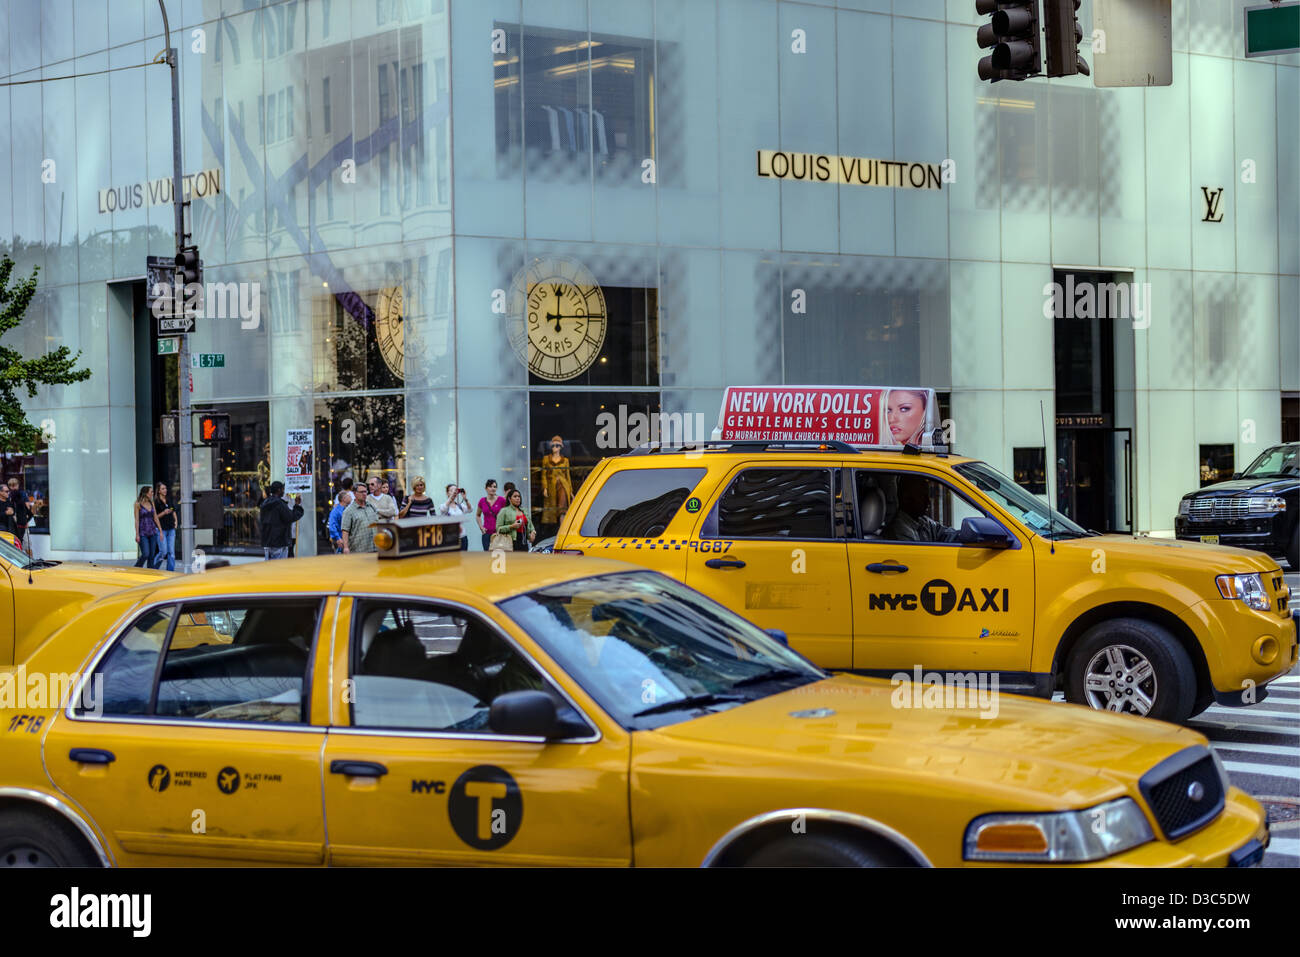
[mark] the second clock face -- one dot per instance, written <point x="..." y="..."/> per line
<point x="563" y="318"/>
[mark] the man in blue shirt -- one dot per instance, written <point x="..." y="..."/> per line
<point x="336" y="515"/>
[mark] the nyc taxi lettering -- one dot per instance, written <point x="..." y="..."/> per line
<point x="486" y="807"/>
<point x="31" y="723"/>
<point x="939" y="597"/>
<point x="161" y="777"/>
<point x="251" y="781"/>
<point x="710" y="546"/>
<point x="428" y="787"/>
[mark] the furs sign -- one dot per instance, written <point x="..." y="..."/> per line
<point x="851" y="170"/>
<point x="158" y="192"/>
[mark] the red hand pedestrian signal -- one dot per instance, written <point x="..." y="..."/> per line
<point x="213" y="428"/>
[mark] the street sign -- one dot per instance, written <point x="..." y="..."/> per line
<point x="160" y="280"/>
<point x="1272" y="28"/>
<point x="169" y="347"/>
<point x="184" y="324"/>
<point x="208" y="360"/>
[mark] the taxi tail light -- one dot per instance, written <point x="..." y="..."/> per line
<point x="1012" y="839"/>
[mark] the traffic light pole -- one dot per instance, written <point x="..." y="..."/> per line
<point x="184" y="419"/>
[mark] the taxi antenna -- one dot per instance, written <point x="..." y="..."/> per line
<point x="1047" y="475"/>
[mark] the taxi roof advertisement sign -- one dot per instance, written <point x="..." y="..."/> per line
<point x="858" y="415"/>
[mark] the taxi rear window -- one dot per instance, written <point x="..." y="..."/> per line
<point x="639" y="503"/>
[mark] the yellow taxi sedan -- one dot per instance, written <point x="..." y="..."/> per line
<point x="445" y="708"/>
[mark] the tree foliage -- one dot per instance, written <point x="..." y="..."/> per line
<point x="53" y="368"/>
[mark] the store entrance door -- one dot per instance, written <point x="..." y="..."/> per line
<point x="1094" y="477"/>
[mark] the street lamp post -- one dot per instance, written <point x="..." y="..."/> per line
<point x="178" y="311"/>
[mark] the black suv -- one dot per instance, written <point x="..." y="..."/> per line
<point x="1257" y="508"/>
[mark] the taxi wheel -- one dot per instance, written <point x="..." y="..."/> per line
<point x="815" y="850"/>
<point x="33" y="839"/>
<point x="1132" y="666"/>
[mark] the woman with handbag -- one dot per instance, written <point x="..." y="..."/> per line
<point x="514" y="523"/>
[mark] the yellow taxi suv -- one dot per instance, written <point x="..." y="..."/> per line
<point x="879" y="561"/>
<point x="430" y="706"/>
<point x="37" y="595"/>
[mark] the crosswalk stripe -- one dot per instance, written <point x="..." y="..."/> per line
<point x="1286" y="846"/>
<point x="1205" y="729"/>
<point x="1285" y="750"/>
<point x="1293" y="713"/>
<point x="1271" y="770"/>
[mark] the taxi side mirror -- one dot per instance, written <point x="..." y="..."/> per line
<point x="778" y="635"/>
<point x="984" y="532"/>
<point x="529" y="714"/>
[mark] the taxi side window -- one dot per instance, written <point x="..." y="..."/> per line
<point x="776" y="503"/>
<point x="123" y="682"/>
<point x="419" y="667"/>
<point x="908" y="507"/>
<point x="639" y="503"/>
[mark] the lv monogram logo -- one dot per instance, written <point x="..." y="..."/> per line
<point x="1213" y="197"/>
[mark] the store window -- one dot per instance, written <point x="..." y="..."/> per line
<point x="1216" y="463"/>
<point x="358" y="436"/>
<point x="563" y="122"/>
<point x="1030" y="466"/>
<point x="240" y="470"/>
<point x="32" y="475"/>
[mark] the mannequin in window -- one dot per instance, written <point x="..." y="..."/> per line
<point x="557" y="484"/>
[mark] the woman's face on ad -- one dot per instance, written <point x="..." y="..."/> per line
<point x="905" y="415"/>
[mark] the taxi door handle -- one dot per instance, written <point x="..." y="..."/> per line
<point x="724" y="563"/>
<point x="882" y="567"/>
<point x="91" y="756"/>
<point x="358" y="769"/>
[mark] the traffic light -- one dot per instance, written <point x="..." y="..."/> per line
<point x="1061" y="25"/>
<point x="1012" y="38"/>
<point x="214" y="427"/>
<point x="187" y="262"/>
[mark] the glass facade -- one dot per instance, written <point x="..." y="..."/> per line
<point x="452" y="230"/>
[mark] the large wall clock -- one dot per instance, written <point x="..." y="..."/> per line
<point x="557" y="318"/>
<point x="388" y="329"/>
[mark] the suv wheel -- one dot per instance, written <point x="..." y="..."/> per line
<point x="1132" y="666"/>
<point x="33" y="839"/>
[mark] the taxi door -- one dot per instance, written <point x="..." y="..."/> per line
<point x="771" y="546"/>
<point x="8" y="635"/>
<point x="920" y="597"/>
<point x="209" y="757"/>
<point x="414" y="775"/>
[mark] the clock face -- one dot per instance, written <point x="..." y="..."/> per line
<point x="388" y="329"/>
<point x="557" y="313"/>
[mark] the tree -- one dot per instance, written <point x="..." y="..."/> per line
<point x="54" y="368"/>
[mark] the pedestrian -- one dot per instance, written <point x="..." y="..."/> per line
<point x="419" y="505"/>
<point x="166" y="518"/>
<point x="146" y="528"/>
<point x="345" y="485"/>
<point x="8" y="513"/>
<point x="383" y="505"/>
<point x="22" y="511"/>
<point x="336" y="518"/>
<point x="456" y="504"/>
<point x="486" y="513"/>
<point x="515" y="523"/>
<point x="354" y="527"/>
<point x="275" y="521"/>
<point x="387" y="505"/>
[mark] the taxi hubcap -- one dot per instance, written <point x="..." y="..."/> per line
<point x="26" y="855"/>
<point x="1120" y="678"/>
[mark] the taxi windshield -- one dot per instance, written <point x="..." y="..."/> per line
<point x="652" y="651"/>
<point x="12" y="554"/>
<point x="1027" y="507"/>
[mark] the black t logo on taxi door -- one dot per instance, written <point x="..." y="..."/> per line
<point x="485" y="807"/>
<point x="938" y="596"/>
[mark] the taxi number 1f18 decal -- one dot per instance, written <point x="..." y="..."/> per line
<point x="485" y="807"/>
<point x="939" y="597"/>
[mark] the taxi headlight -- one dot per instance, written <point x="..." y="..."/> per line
<point x="1058" y="837"/>
<point x="1247" y="588"/>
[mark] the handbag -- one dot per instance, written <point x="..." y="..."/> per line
<point x="501" y="541"/>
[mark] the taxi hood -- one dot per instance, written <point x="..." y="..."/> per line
<point x="1064" y="752"/>
<point x="1167" y="552"/>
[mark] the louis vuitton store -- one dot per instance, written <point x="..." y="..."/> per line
<point x="486" y="238"/>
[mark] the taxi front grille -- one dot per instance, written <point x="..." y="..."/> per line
<point x="1184" y="792"/>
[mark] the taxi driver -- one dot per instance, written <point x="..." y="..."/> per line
<point x="911" y="524"/>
